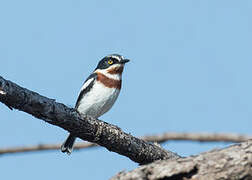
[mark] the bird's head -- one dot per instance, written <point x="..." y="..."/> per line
<point x="112" y="64"/>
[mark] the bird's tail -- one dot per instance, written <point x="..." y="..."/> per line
<point x="67" y="146"/>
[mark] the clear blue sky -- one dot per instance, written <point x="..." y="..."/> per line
<point x="190" y="72"/>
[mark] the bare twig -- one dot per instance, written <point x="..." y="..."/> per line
<point x="84" y="127"/>
<point x="43" y="147"/>
<point x="160" y="138"/>
<point x="202" y="137"/>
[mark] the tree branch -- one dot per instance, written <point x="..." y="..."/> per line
<point x="84" y="127"/>
<point x="43" y="147"/>
<point x="232" y="163"/>
<point x="159" y="138"/>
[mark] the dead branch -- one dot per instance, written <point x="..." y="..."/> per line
<point x="43" y="147"/>
<point x="84" y="127"/>
<point x="159" y="138"/>
<point x="201" y="137"/>
<point x="232" y="163"/>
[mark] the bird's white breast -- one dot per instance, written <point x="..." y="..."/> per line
<point x="98" y="100"/>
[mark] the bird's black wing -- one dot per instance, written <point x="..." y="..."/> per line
<point x="86" y="87"/>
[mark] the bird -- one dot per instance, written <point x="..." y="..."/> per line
<point x="99" y="92"/>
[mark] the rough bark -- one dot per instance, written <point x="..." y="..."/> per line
<point x="232" y="163"/>
<point x="84" y="127"/>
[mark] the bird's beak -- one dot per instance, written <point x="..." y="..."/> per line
<point x="124" y="61"/>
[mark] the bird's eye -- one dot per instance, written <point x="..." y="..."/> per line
<point x="110" y="61"/>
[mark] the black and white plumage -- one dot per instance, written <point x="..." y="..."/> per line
<point x="99" y="92"/>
